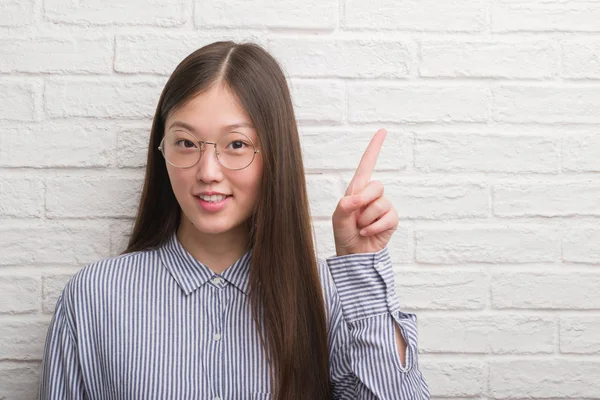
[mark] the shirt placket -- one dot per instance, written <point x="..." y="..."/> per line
<point x="216" y="339"/>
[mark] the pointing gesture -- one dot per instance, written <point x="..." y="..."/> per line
<point x="364" y="220"/>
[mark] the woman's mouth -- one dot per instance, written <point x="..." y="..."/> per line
<point x="214" y="198"/>
<point x="213" y="203"/>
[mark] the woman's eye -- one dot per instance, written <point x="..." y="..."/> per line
<point x="238" y="144"/>
<point x="185" y="143"/>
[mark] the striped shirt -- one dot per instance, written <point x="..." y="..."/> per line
<point x="158" y="324"/>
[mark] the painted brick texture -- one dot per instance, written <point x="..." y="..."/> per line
<point x="492" y="160"/>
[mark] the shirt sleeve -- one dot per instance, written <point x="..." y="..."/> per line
<point x="364" y="310"/>
<point x="61" y="376"/>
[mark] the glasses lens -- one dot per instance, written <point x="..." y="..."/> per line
<point x="235" y="150"/>
<point x="181" y="149"/>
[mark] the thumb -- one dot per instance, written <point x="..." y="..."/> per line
<point x="349" y="204"/>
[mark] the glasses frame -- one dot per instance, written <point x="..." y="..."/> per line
<point x="202" y="144"/>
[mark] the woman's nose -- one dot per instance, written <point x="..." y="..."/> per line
<point x="209" y="168"/>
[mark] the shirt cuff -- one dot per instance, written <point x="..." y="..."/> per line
<point x="365" y="284"/>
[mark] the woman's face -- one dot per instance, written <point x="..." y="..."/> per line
<point x="209" y="116"/>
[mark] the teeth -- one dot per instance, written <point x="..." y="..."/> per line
<point x="214" y="198"/>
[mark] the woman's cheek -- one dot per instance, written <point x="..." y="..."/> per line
<point x="179" y="184"/>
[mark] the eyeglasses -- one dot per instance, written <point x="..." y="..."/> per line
<point x="183" y="150"/>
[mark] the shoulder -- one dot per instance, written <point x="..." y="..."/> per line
<point x="117" y="266"/>
<point x="108" y="274"/>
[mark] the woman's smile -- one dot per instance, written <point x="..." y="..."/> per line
<point x="213" y="206"/>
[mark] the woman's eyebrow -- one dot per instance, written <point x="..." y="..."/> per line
<point x="184" y="125"/>
<point x="181" y="124"/>
<point x="240" y="125"/>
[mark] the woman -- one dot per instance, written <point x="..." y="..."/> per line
<point x="219" y="294"/>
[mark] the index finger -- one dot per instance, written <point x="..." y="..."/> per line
<point x="365" y="169"/>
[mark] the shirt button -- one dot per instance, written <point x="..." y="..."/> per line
<point x="217" y="398"/>
<point x="216" y="281"/>
<point x="217" y="337"/>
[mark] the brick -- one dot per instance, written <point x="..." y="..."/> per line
<point x="66" y="54"/>
<point x="545" y="15"/>
<point x="19" y="380"/>
<point x="546" y="104"/>
<point x="318" y="101"/>
<point x="315" y="14"/>
<point x="347" y="146"/>
<point x="416" y="103"/>
<point x="68" y="144"/>
<point x="580" y="335"/>
<point x="437" y="200"/>
<point x="24" y="339"/>
<point x="581" y="245"/>
<point x="488" y="335"/>
<point x="443" y="290"/>
<point x="401" y="246"/>
<point x="102" y="98"/>
<point x="28" y="203"/>
<point x="15" y="13"/>
<point x="19" y="294"/>
<point x="546" y="378"/>
<point x="581" y="59"/>
<point x="92" y="197"/>
<point x="560" y="199"/>
<point x="53" y="243"/>
<point x="546" y="290"/>
<point x="455" y="378"/>
<point x="489" y="59"/>
<point x="132" y="146"/>
<point x="416" y="15"/>
<point x="120" y="233"/>
<point x="580" y="153"/>
<point x="52" y="287"/>
<point x="324" y="192"/>
<point x="164" y="13"/>
<point x="324" y="243"/>
<point x="487" y="244"/>
<point x="347" y="58"/>
<point x="18" y="100"/>
<point x="455" y="152"/>
<point x="160" y="53"/>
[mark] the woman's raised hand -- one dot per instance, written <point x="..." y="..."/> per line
<point x="364" y="219"/>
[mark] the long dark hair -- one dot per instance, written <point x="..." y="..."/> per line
<point x="284" y="285"/>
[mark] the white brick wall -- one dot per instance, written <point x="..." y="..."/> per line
<point x="493" y="113"/>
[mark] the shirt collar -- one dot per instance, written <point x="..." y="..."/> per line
<point x="190" y="273"/>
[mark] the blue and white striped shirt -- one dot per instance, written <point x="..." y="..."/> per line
<point x="158" y="324"/>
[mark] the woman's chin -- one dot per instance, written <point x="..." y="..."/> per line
<point x="215" y="228"/>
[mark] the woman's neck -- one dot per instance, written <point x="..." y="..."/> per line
<point x="217" y="251"/>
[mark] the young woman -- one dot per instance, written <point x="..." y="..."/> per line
<point x="219" y="294"/>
